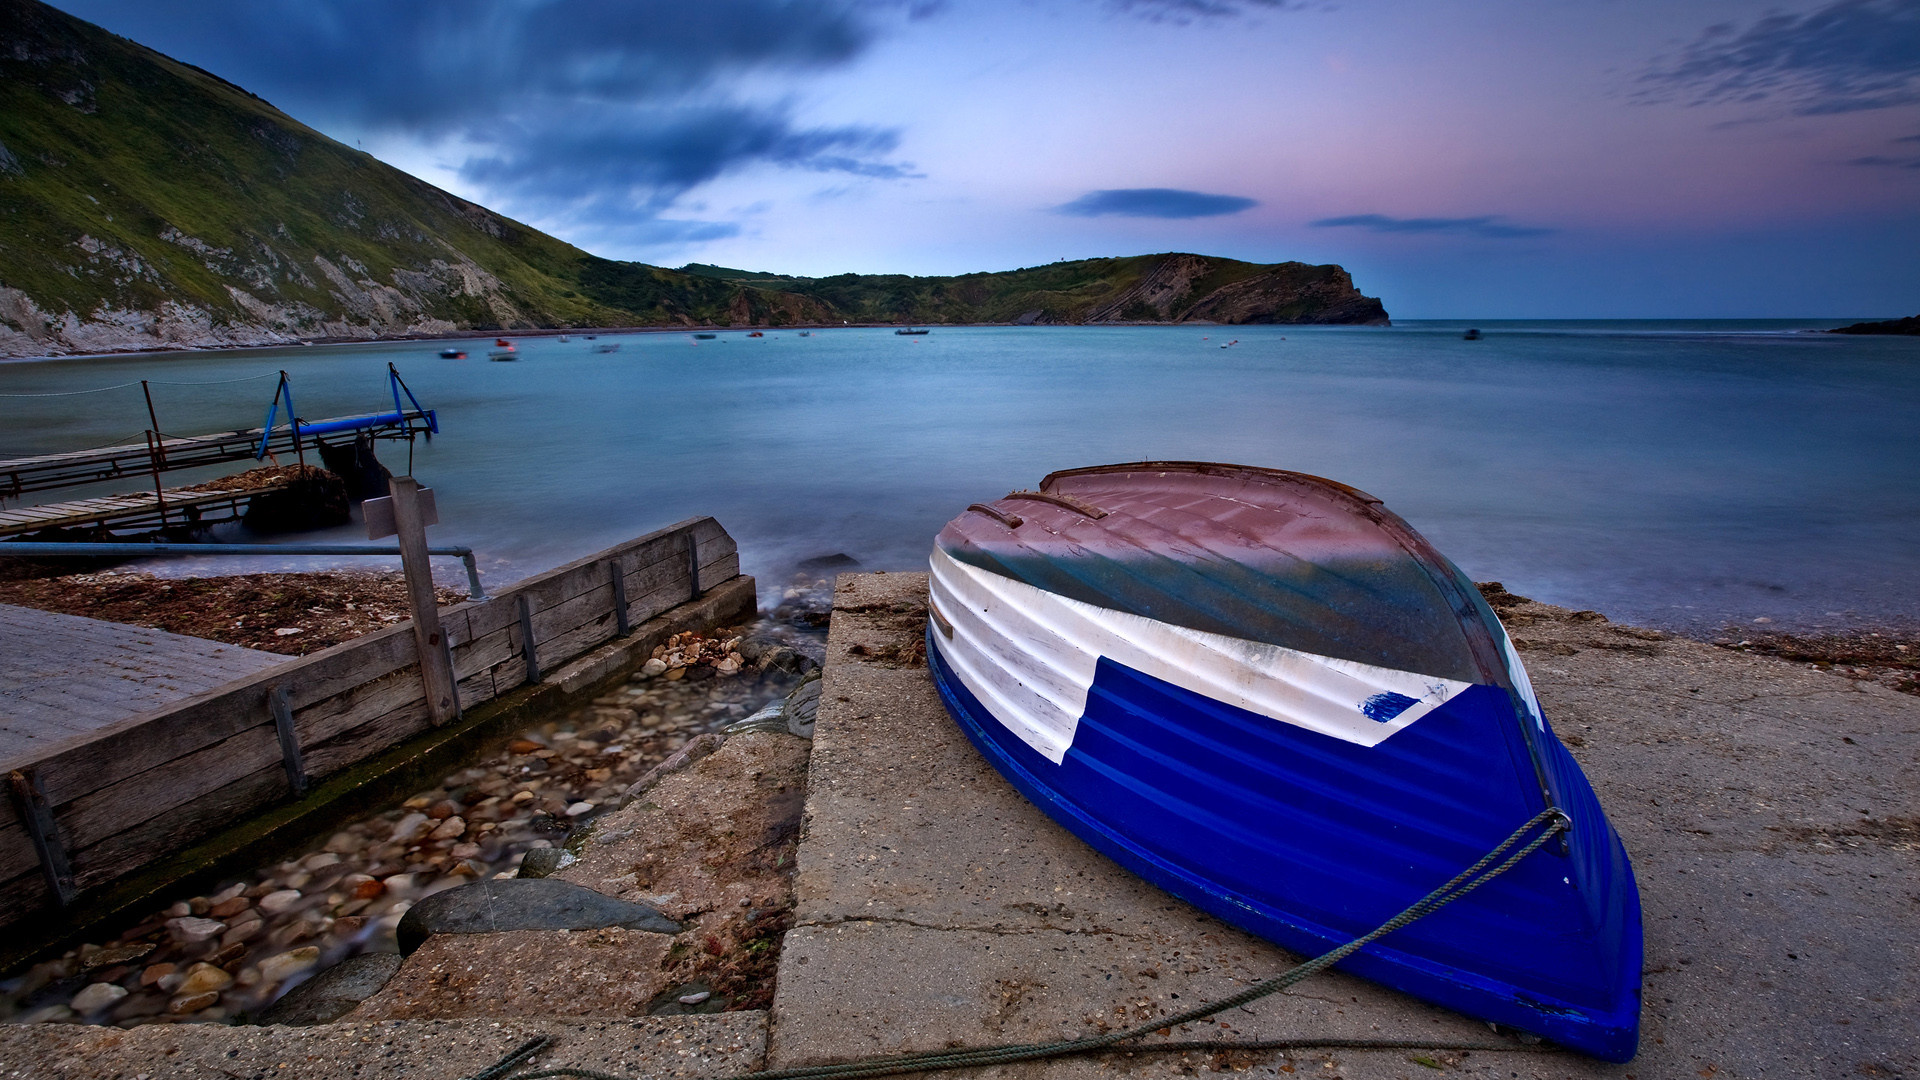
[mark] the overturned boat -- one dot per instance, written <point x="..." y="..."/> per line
<point x="1268" y="695"/>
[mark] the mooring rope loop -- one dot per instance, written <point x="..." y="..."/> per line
<point x="1551" y="822"/>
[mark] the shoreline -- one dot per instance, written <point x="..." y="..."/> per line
<point x="1437" y="325"/>
<point x="548" y="332"/>
<point x="327" y="607"/>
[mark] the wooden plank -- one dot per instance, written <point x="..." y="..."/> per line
<point x="23" y="894"/>
<point x="178" y="828"/>
<point x="382" y="733"/>
<point x="109" y="810"/>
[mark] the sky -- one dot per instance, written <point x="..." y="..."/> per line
<point x="1462" y="158"/>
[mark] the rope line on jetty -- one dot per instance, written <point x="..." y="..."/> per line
<point x="1551" y="821"/>
<point x="155" y="382"/>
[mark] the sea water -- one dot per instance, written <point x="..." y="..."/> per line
<point x="1687" y="475"/>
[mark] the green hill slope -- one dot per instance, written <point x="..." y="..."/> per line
<point x="1174" y="287"/>
<point x="146" y="203"/>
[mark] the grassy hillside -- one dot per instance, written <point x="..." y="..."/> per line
<point x="145" y="202"/>
<point x="1172" y="287"/>
<point x="135" y="187"/>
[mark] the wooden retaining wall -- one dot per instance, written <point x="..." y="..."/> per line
<point x="155" y="785"/>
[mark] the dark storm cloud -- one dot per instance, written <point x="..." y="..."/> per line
<point x="431" y="64"/>
<point x="1487" y="226"/>
<point x="648" y="157"/>
<point x="592" y="112"/>
<point x="1154" y="203"/>
<point x="1848" y="56"/>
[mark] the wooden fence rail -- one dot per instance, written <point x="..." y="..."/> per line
<point x="88" y="811"/>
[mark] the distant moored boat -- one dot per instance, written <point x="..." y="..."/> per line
<point x="453" y="354"/>
<point x="907" y="331"/>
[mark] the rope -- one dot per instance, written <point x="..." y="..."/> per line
<point x="155" y="382"/>
<point x="1553" y="821"/>
<point x="76" y="393"/>
<point x="213" y="382"/>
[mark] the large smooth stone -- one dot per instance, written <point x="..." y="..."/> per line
<point x="492" y="906"/>
<point x="334" y="992"/>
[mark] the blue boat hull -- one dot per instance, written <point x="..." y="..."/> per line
<point x="1310" y="841"/>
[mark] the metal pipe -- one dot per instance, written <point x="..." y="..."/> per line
<point x="16" y="547"/>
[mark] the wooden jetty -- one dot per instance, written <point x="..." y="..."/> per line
<point x="140" y="511"/>
<point x="67" y="676"/>
<point x="99" y="822"/>
<point x="52" y="472"/>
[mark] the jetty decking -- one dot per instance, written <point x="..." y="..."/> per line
<point x="67" y="676"/>
<point x="97" y="808"/>
<point x="51" y="472"/>
<point x="140" y="511"/>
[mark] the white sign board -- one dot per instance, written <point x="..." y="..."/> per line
<point x="379" y="514"/>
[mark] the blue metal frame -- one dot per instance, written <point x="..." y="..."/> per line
<point x="300" y="428"/>
<point x="1310" y="841"/>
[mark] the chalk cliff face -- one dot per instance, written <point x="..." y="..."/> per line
<point x="145" y="203"/>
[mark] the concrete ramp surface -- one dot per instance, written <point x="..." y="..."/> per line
<point x="1769" y="810"/>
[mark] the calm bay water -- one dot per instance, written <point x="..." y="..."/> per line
<point x="1686" y="475"/>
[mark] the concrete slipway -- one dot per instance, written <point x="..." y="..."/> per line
<point x="1771" y="812"/>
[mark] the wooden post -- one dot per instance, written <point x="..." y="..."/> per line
<point x="430" y="642"/>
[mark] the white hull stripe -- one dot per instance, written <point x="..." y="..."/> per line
<point x="1029" y="656"/>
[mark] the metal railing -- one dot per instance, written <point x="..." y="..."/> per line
<point x="465" y="554"/>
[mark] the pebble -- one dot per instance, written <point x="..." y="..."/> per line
<point x="276" y="902"/>
<point x="278" y="968"/>
<point x="579" y="808"/>
<point x="450" y="829"/>
<point x="180" y="1006"/>
<point x="97" y="996"/>
<point x="409" y="828"/>
<point x="695" y="999"/>
<point x="203" y="977"/>
<point x="189" y="930"/>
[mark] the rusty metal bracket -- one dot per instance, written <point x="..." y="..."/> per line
<point x="446" y="642"/>
<point x="289" y="740"/>
<point x="693" y="563"/>
<point x="527" y="645"/>
<point x="620" y="620"/>
<point x="31" y="800"/>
